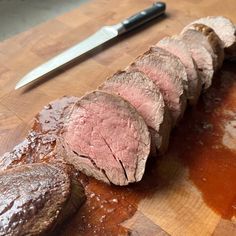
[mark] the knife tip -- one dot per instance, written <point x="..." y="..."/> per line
<point x="17" y="86"/>
<point x="20" y="84"/>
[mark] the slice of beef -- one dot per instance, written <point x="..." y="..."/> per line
<point x="198" y="38"/>
<point x="212" y="42"/>
<point x="36" y="198"/>
<point x="169" y="74"/>
<point x="105" y="137"/>
<point x="201" y="56"/>
<point x="179" y="49"/>
<point x="40" y="141"/>
<point x="224" y="28"/>
<point x="144" y="95"/>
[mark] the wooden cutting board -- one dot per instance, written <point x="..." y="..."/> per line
<point x="189" y="191"/>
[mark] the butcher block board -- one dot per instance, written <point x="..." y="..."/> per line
<point x="189" y="191"/>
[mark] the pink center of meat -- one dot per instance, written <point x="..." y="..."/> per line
<point x="141" y="100"/>
<point x="178" y="51"/>
<point x="167" y="87"/>
<point x="108" y="136"/>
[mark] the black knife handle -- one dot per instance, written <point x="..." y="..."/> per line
<point x="142" y="17"/>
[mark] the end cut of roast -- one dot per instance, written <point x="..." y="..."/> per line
<point x="168" y="73"/>
<point x="224" y="28"/>
<point x="144" y="95"/>
<point x="210" y="40"/>
<point x="36" y="198"/>
<point x="179" y="49"/>
<point x="105" y="137"/>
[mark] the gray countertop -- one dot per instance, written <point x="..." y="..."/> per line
<point x="19" y="15"/>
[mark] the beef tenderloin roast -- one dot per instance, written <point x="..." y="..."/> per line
<point x="102" y="134"/>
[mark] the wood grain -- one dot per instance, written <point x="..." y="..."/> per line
<point x="174" y="206"/>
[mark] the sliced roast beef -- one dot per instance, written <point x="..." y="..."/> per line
<point x="198" y="38"/>
<point x="144" y="95"/>
<point x="35" y="198"/>
<point x="40" y="141"/>
<point x="201" y="56"/>
<point x="211" y="42"/>
<point x="169" y="74"/>
<point x="105" y="137"/>
<point x="179" y="49"/>
<point x="224" y="28"/>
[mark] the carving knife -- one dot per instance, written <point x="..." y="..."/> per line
<point x="103" y="35"/>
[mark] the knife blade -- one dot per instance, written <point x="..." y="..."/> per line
<point x="103" y="35"/>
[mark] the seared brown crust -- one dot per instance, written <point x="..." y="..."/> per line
<point x="214" y="41"/>
<point x="34" y="198"/>
<point x="39" y="144"/>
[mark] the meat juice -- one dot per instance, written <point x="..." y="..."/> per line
<point x="210" y="160"/>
